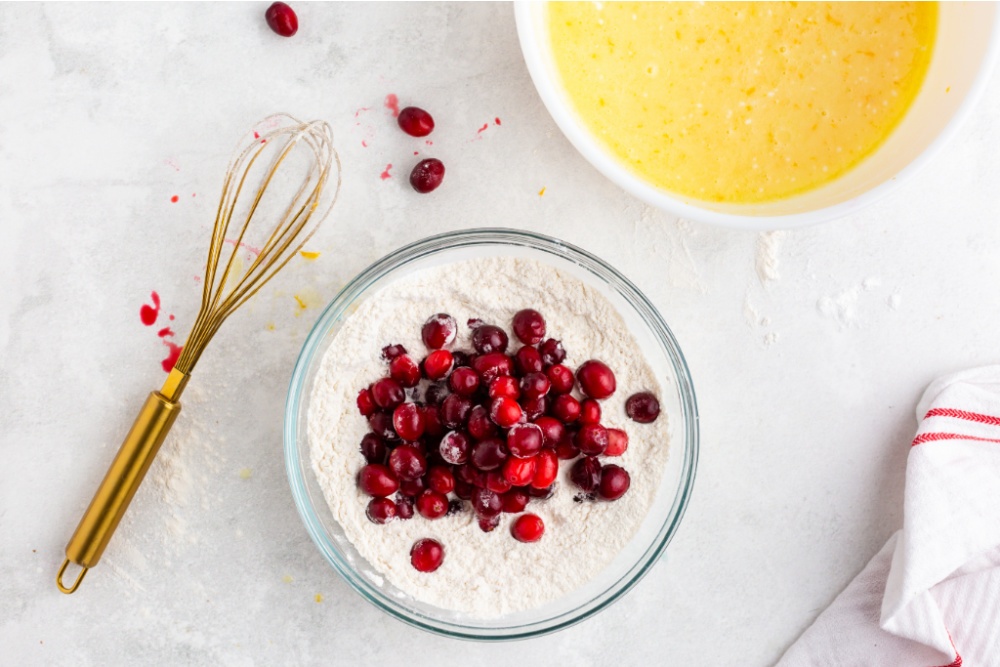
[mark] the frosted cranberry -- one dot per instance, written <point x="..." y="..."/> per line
<point x="561" y="378"/>
<point x="566" y="449"/>
<point x="415" y="122"/>
<point x="436" y="392"/>
<point x="432" y="505"/>
<point x="387" y="393"/>
<point x="464" y="381"/>
<point x="534" y="407"/>
<point x="488" y="338"/>
<point x="464" y="490"/>
<point x="529" y="326"/>
<point x="455" y="410"/>
<point x="542" y="494"/>
<point x="528" y="528"/>
<point x="487" y="503"/>
<point x="592" y="439"/>
<point x="596" y="379"/>
<point x="381" y="510"/>
<point x="551" y="351"/>
<point x="282" y="19"/>
<point x="642" y="407"/>
<point x="565" y="408"/>
<point x="546" y="469"/>
<point x="524" y="440"/>
<point x="505" y="412"/>
<point x="408" y="421"/>
<point x="404" y="370"/>
<point x="377" y="480"/>
<point x="586" y="473"/>
<point x="470" y="475"/>
<point x="404" y="507"/>
<point x="488" y="524"/>
<point x="515" y="501"/>
<point x="439" y="330"/>
<point x="590" y="411"/>
<point x="528" y="360"/>
<point x="461" y="358"/>
<point x="381" y="425"/>
<point x="615" y="481"/>
<point x="366" y="404"/>
<point x="493" y="365"/>
<point x="426" y="555"/>
<point x="534" y="385"/>
<point x="407" y="462"/>
<point x="454" y="448"/>
<point x="617" y="442"/>
<point x="474" y="322"/>
<point x="519" y="472"/>
<point x="390" y="352"/>
<point x="440" y="479"/>
<point x="432" y="420"/>
<point x="497" y="483"/>
<point x="480" y="426"/>
<point x="373" y="448"/>
<point x="552" y="430"/>
<point x="412" y="487"/>
<point x="488" y="454"/>
<point x="427" y="175"/>
<point x="437" y="364"/>
<point x="505" y="386"/>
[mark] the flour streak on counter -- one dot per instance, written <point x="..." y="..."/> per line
<point x="486" y="574"/>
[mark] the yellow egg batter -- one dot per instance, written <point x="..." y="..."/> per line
<point x="741" y="102"/>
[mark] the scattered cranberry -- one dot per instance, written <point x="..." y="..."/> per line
<point x="432" y="505"/>
<point x="381" y="425"/>
<point x="493" y="365"/>
<point x="440" y="479"/>
<point x="596" y="379"/>
<point x="528" y="528"/>
<point x="565" y="408"/>
<point x="404" y="370"/>
<point x="520" y="472"/>
<point x="415" y="121"/>
<point x="455" y="411"/>
<point x="387" y="393"/>
<point x="586" y="473"/>
<point x="592" y="439"/>
<point x="404" y="507"/>
<point x="407" y="462"/>
<point x="408" y="421"/>
<point x="561" y="378"/>
<point x="488" y="454"/>
<point x="439" y="330"/>
<point x="615" y="481"/>
<point x="454" y="448"/>
<point x="617" y="442"/>
<point x="437" y="364"/>
<point x="524" y="440"/>
<point x="552" y="430"/>
<point x="534" y="407"/>
<point x="551" y="351"/>
<point x="642" y="407"/>
<point x="426" y="555"/>
<point x="497" y="483"/>
<point x="488" y="523"/>
<point x="282" y="19"/>
<point x="377" y="480"/>
<point x="590" y="411"/>
<point x="505" y="386"/>
<point x="432" y="420"/>
<point x="381" y="510"/>
<point x="412" y="487"/>
<point x="488" y="338"/>
<point x="480" y="426"/>
<point x="515" y="501"/>
<point x="534" y="385"/>
<point x="529" y="326"/>
<point x="366" y="404"/>
<point x="546" y="469"/>
<point x="474" y="322"/>
<point x="487" y="503"/>
<point x="373" y="448"/>
<point x="464" y="381"/>
<point x="390" y="352"/>
<point x="528" y="360"/>
<point x="505" y="412"/>
<point x="427" y="175"/>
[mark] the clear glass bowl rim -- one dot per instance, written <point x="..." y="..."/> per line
<point x="480" y="237"/>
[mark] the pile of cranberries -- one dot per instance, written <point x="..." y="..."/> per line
<point x="488" y="428"/>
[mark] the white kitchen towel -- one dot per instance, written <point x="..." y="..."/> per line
<point x="931" y="596"/>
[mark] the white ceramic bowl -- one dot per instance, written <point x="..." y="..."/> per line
<point x="967" y="44"/>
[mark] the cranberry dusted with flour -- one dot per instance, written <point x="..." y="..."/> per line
<point x="488" y="338"/>
<point x="440" y="479"/>
<point x="505" y="386"/>
<point x="390" y="352"/>
<point x="642" y="407"/>
<point x="373" y="449"/>
<point x="487" y="503"/>
<point x="455" y="411"/>
<point x="493" y="365"/>
<point x="496" y="482"/>
<point x="427" y="175"/>
<point x="408" y="420"/>
<point x="381" y="510"/>
<point x="514" y="501"/>
<point x="534" y="407"/>
<point x="529" y="326"/>
<point x="454" y="448"/>
<point x="596" y="379"/>
<point x="438" y="364"/>
<point x="404" y="370"/>
<point x="534" y="385"/>
<point x="546" y="469"/>
<point x="464" y="381"/>
<point x="528" y="528"/>
<point x="407" y="462"/>
<point x="524" y="440"/>
<point x="488" y="454"/>
<point x="433" y="425"/>
<point x="412" y="487"/>
<point x="439" y="330"/>
<point x="282" y="19"/>
<point x="432" y="505"/>
<point x="480" y="426"/>
<point x="561" y="378"/>
<point x="404" y="507"/>
<point x="552" y="429"/>
<point x="387" y="393"/>
<point x="590" y="411"/>
<point x="366" y="403"/>
<point x="487" y="524"/>
<point x="592" y="439"/>
<point x="615" y="482"/>
<point x="551" y="351"/>
<point x="617" y="442"/>
<point x="528" y="360"/>
<point x="426" y="555"/>
<point x="565" y="408"/>
<point x="381" y="425"/>
<point x="520" y="472"/>
<point x="377" y="480"/>
<point x="415" y="122"/>
<point x="505" y="412"/>
<point x="586" y="473"/>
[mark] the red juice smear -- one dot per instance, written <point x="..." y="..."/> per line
<point x="148" y="314"/>
<point x="483" y="128"/>
<point x="385" y="174"/>
<point x="172" y="356"/>
<point x="256" y="135"/>
<point x="392" y="104"/>
<point x="497" y="120"/>
<point x="364" y="143"/>
<point x="165" y="331"/>
<point x="174" y="199"/>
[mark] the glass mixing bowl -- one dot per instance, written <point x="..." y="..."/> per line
<point x="678" y="405"/>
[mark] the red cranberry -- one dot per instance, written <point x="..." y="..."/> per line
<point x="464" y="490"/>
<point x="488" y="523"/>
<point x="437" y="364"/>
<point x="596" y="379"/>
<point x="366" y="404"/>
<point x="474" y="322"/>
<point x="387" y="393"/>
<point x="487" y="503"/>
<point x="455" y="410"/>
<point x="566" y="449"/>
<point x="381" y="510"/>
<point x="551" y="351"/>
<point x="529" y="326"/>
<point x="519" y="472"/>
<point x="617" y="442"/>
<point x="404" y="370"/>
<point x="282" y="19"/>
<point x="592" y="439"/>
<point x="488" y="338"/>
<point x="464" y="381"/>
<point x="373" y="448"/>
<point x="412" y="487"/>
<point x="470" y="475"/>
<point x="381" y="425"/>
<point x="566" y="409"/>
<point x="426" y="555"/>
<point x="547" y="467"/>
<point x="586" y="473"/>
<point x="488" y="454"/>
<point x="454" y="448"/>
<point x="515" y="501"/>
<point x="440" y="479"/>
<point x="528" y="360"/>
<point x="561" y="378"/>
<point x="427" y="175"/>
<point x="439" y="330"/>
<point x="493" y="365"/>
<point x="590" y="411"/>
<point x="390" y="352"/>
<point x="552" y="430"/>
<point x="642" y="407"/>
<point x="377" y="480"/>
<point x="505" y="386"/>
<point x="432" y="505"/>
<point x="614" y="482"/>
<point x="404" y="507"/>
<point x="407" y="462"/>
<point x="415" y="121"/>
<point x="534" y="385"/>
<point x="496" y="482"/>
<point x="461" y="358"/>
<point x="408" y="421"/>
<point x="535" y="407"/>
<point x="436" y="393"/>
<point x="432" y="420"/>
<point x="528" y="528"/>
<point x="505" y="412"/>
<point x="524" y="440"/>
<point x="480" y="426"/>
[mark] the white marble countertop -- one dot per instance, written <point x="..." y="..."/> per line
<point x="806" y="383"/>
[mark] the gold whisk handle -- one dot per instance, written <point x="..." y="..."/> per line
<point x="123" y="479"/>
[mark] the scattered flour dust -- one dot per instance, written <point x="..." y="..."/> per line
<point x="766" y="257"/>
<point x="486" y="574"/>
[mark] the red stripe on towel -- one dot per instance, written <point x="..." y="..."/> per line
<point x="963" y="414"/>
<point x="930" y="437"/>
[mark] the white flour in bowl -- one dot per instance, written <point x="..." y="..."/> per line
<point x="486" y="574"/>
